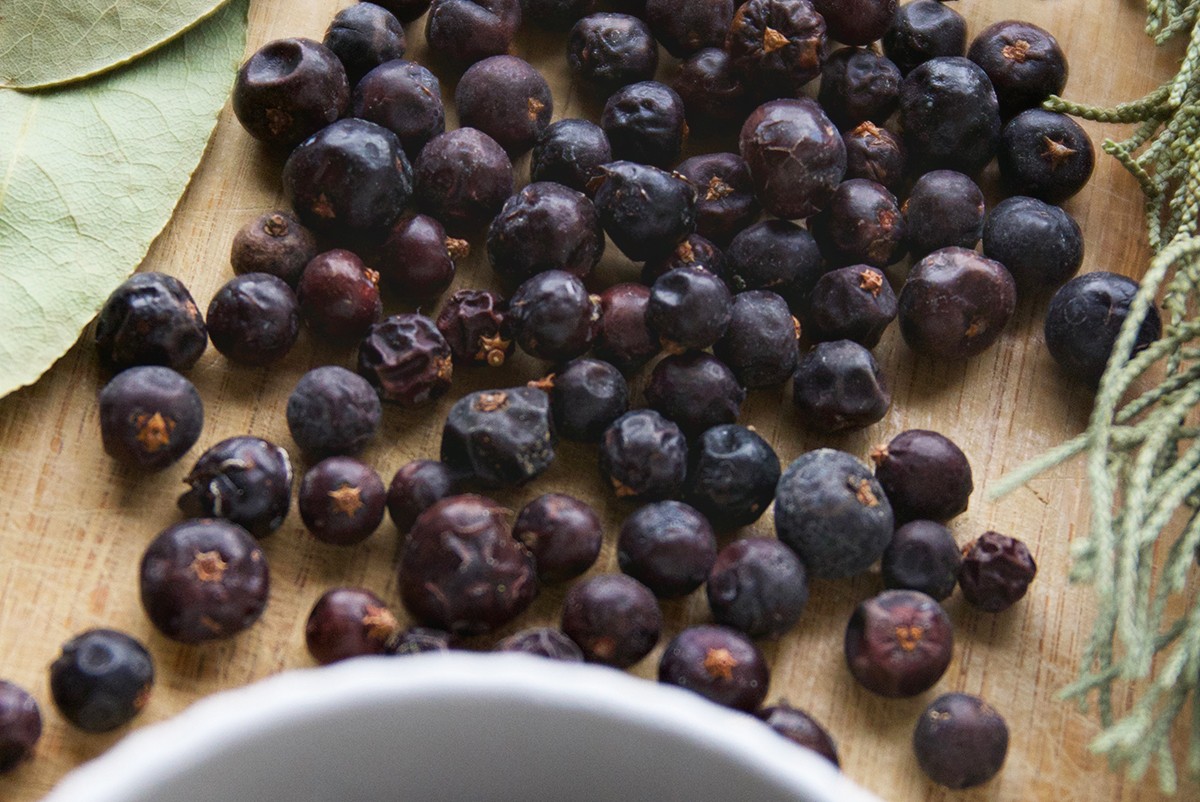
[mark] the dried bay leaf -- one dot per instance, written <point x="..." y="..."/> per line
<point x="89" y="175"/>
<point x="48" y="42"/>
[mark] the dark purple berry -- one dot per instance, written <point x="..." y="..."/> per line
<point x="950" y="116"/>
<point x="944" y="208"/>
<point x="585" y="397"/>
<point x="778" y="45"/>
<point x="696" y="390"/>
<point x="542" y="642"/>
<point x="406" y="99"/>
<point x="996" y="572"/>
<point x="955" y="304"/>
<point x="876" y="154"/>
<point x="273" y="243"/>
<point x="416" y="487"/>
<point x="720" y="664"/>
<point x="150" y="319"/>
<point x="645" y="123"/>
<point x="553" y="317"/>
<point x="461" y="570"/>
<point x="363" y="36"/>
<point x="288" y="90"/>
<point x="332" y="411"/>
<point x="712" y="90"/>
<point x="339" y="296"/>
<point x="557" y="15"/>
<point x="614" y="618"/>
<point x="643" y="456"/>
<point x="466" y="31"/>
<point x="624" y="337"/>
<point x="667" y="546"/>
<point x="1023" y="61"/>
<point x="351" y="177"/>
<point x="800" y="728"/>
<point x="832" y="512"/>
<point x="245" y="480"/>
<point x="254" y="319"/>
<point x="507" y="99"/>
<point x="407" y="360"/>
<point x="761" y="344"/>
<point x="570" y="152"/>
<point x="562" y="533"/>
<point x="499" y="438"/>
<point x="732" y="476"/>
<point x="862" y="224"/>
<point x="420" y="640"/>
<point x="859" y="85"/>
<point x="1084" y="319"/>
<point x="775" y="255"/>
<point x="545" y="226"/>
<point x="646" y="211"/>
<point x="899" y="643"/>
<point x="685" y="26"/>
<point x="924" y="30"/>
<point x="202" y="580"/>
<point x="349" y="622"/>
<point x="851" y="303"/>
<point x="20" y="725"/>
<point x="960" y="741"/>
<point x="1041" y="245"/>
<point x="418" y="260"/>
<point x="149" y="417"/>
<point x="689" y="308"/>
<point x="341" y="501"/>
<point x="922" y="556"/>
<point x="101" y="680"/>
<point x="925" y="475"/>
<point x="725" y="202"/>
<point x="838" y="386"/>
<point x="1045" y="155"/>
<point x="757" y="586"/>
<point x="607" y="51"/>
<point x="406" y="10"/>
<point x="695" y="251"/>
<point x="796" y="155"/>
<point x="463" y="178"/>
<point x="475" y="325"/>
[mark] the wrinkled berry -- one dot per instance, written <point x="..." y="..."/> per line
<point x="553" y="317"/>
<point x="475" y="325"/>
<point x="562" y="533"/>
<point x="924" y="474"/>
<point x="858" y="85"/>
<point x="339" y="296"/>
<point x="585" y="397"/>
<point x="349" y="622"/>
<point x="507" y="99"/>
<point x="406" y="99"/>
<point x="274" y="243"/>
<point x="500" y="438"/>
<point x="624" y="338"/>
<point x="720" y="664"/>
<point x="839" y="386"/>
<point x="1041" y="245"/>
<point x="542" y="642"/>
<point x="643" y="456"/>
<point x="466" y="31"/>
<point x="645" y="123"/>
<point x="899" y="643"/>
<point x="712" y="90"/>
<point x="851" y="303"/>
<point x="922" y="556"/>
<point x="1045" y="155"/>
<point x="950" y="116"/>
<point x="796" y="155"/>
<point x="545" y="226"/>
<point x="689" y="308"/>
<point x="254" y="319"/>
<point x="102" y="679"/>
<point x="667" y="546"/>
<point x="725" y="202"/>
<point x="1023" y="61"/>
<point x="246" y="480"/>
<point x="732" y="476"/>
<point x="569" y="152"/>
<point x="779" y="45"/>
<point x="363" y="36"/>
<point x="149" y="417"/>
<point x="407" y="360"/>
<point x="861" y="225"/>
<point x="876" y="154"/>
<point x="607" y="51"/>
<point x="760" y="345"/>
<point x="775" y="255"/>
<point x="757" y="586"/>
<point x="800" y="728"/>
<point x="696" y="390"/>
<point x="646" y="211"/>
<point x="614" y="618"/>
<point x="960" y="741"/>
<point x="416" y="487"/>
<point x="856" y="22"/>
<point x="332" y="411"/>
<point x="417" y="259"/>
<point x="996" y="572"/>
<point x="341" y="501"/>
<point x="924" y="30"/>
<point x="20" y="725"/>
<point x="150" y="319"/>
<point x="463" y="178"/>
<point x="288" y="90"/>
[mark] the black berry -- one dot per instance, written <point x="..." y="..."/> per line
<point x="875" y="153"/>
<point x="861" y="225"/>
<point x="407" y="360"/>
<point x="341" y="501"/>
<point x="339" y="296"/>
<point x="851" y="303"/>
<point x="684" y="26"/>
<point x="839" y="386"/>
<point x="1045" y="155"/>
<point x="570" y="152"/>
<point x="507" y="99"/>
<point x="545" y="226"/>
<point x="405" y="98"/>
<point x="922" y="556"/>
<point x="856" y="22"/>
<point x="150" y="319"/>
<point x="645" y="123"/>
<point x="333" y="411"/>
<point x="462" y="178"/>
<point x="149" y="417"/>
<point x="720" y="664"/>
<point x="800" y="728"/>
<point x="760" y="345"/>
<point x="553" y="316"/>
<point x="288" y="90"/>
<point x="899" y="643"/>
<point x="274" y="243"/>
<point x="245" y="480"/>
<point x="1023" y="61"/>
<point x="796" y="155"/>
<point x="20" y="725"/>
<point x="775" y="255"/>
<point x="950" y="115"/>
<point x="417" y="486"/>
<point x="960" y="741"/>
<point x="714" y="93"/>
<point x="349" y="622"/>
<point x="732" y="476"/>
<point x="779" y="45"/>
<point x="102" y="679"/>
<point x="725" y="202"/>
<point x="614" y="618"/>
<point x="607" y="51"/>
<point x="417" y="259"/>
<point x="924" y="474"/>
<point x="499" y="437"/>
<point x="996" y="572"/>
<point x="944" y="208"/>
<point x="466" y="31"/>
<point x="586" y="395"/>
<point x="696" y="390"/>
<point x="646" y="211"/>
<point x="858" y="85"/>
<point x="643" y="456"/>
<point x="924" y="30"/>
<point x="667" y="546"/>
<point x="757" y="586"/>
<point x="363" y="36"/>
<point x="624" y="337"/>
<point x="562" y="533"/>
<point x="1041" y="245"/>
<point x="689" y="308"/>
<point x="254" y="319"/>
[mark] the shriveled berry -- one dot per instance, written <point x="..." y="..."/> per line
<point x="202" y="580"/>
<point x="1041" y="245"/>
<point x="332" y="411"/>
<point x="960" y="741"/>
<point x="585" y="397"/>
<point x="922" y="556"/>
<point x="720" y="664"/>
<point x="363" y="36"/>
<point x="851" y="303"/>
<point x="553" y="317"/>
<point x="545" y="226"/>
<point x="668" y="546"/>
<point x="732" y="476"/>
<point x="643" y="456"/>
<point x="685" y="26"/>
<point x="645" y="123"/>
<point x="542" y="642"/>
<point x="899" y="643"/>
<point x="349" y="622"/>
<point x="950" y="116"/>
<point x="760" y="345"/>
<point x="858" y="85"/>
<point x="832" y="512"/>
<point x="406" y="359"/>
<point x="945" y="208"/>
<point x="796" y="155"/>
<point x="689" y="308"/>
<point x="1045" y="155"/>
<point x="696" y="390"/>
<point x="875" y="153"/>
<point x="420" y="640"/>
<point x="779" y="45"/>
<point x="624" y="337"/>
<point x="499" y="438"/>
<point x="418" y="259"/>
<point x="417" y="486"/>
<point x="569" y="152"/>
<point x="149" y="417"/>
<point x="607" y="51"/>
<point x="475" y="325"/>
<point x="507" y="99"/>
<point x="102" y="679"/>
<point x="341" y="501"/>
<point x="274" y="243"/>
<point x="339" y="296"/>
<point x="461" y="570"/>
<point x="646" y="211"/>
<point x="150" y="319"/>
<point x="924" y="30"/>
<point x="466" y="31"/>
<point x="725" y="202"/>
<point x="20" y="725"/>
<point x="996" y="572"/>
<point x="246" y="480"/>
<point x="924" y="474"/>
<point x="562" y="533"/>
<point x="695" y="251"/>
<point x="463" y="178"/>
<point x="350" y="177"/>
<point x="775" y="255"/>
<point x="1084" y="319"/>
<point x="955" y="304"/>
<point x="800" y="728"/>
<point x="254" y="319"/>
<point x="288" y="90"/>
<point x="861" y="225"/>
<point x="1023" y="61"/>
<point x="405" y="98"/>
<point x="614" y="618"/>
<point x="757" y="586"/>
<point x="839" y="386"/>
<point x="713" y="91"/>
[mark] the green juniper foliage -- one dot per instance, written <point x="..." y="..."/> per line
<point x="1143" y="456"/>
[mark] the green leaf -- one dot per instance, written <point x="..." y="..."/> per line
<point x="48" y="42"/>
<point x="89" y="175"/>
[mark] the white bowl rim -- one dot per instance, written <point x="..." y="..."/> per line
<point x="150" y="756"/>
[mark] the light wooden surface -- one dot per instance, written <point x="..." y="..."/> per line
<point x="73" y="524"/>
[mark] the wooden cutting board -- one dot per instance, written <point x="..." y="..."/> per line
<point x="73" y="524"/>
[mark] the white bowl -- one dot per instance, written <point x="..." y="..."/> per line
<point x="461" y="728"/>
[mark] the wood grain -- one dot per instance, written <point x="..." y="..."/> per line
<point x="73" y="524"/>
